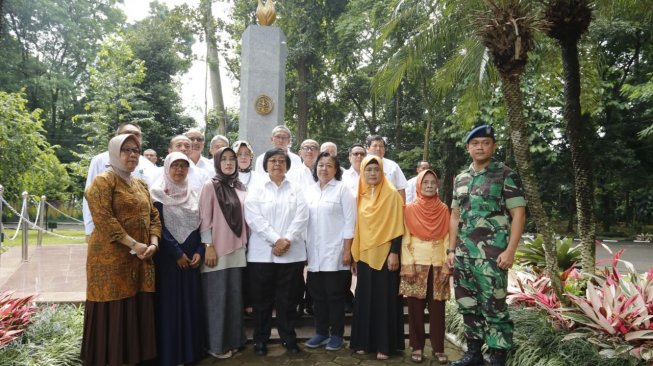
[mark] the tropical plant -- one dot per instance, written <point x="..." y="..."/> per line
<point x="531" y="253"/>
<point x="644" y="237"/>
<point x="15" y="316"/>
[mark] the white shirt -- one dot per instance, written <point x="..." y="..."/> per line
<point x="394" y="174"/>
<point x="206" y="165"/>
<point x="100" y="163"/>
<point x="196" y="177"/>
<point x="350" y="179"/>
<point x="295" y="162"/>
<point x="302" y="176"/>
<point x="331" y="221"/>
<point x="411" y="187"/>
<point x="274" y="212"/>
<point x="249" y="179"/>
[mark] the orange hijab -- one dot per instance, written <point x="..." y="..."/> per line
<point x="380" y="217"/>
<point x="427" y="217"/>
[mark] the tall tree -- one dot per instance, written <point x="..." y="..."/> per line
<point x="566" y="21"/>
<point x="507" y="30"/>
<point x="212" y="58"/>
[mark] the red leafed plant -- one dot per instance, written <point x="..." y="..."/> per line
<point x="15" y="314"/>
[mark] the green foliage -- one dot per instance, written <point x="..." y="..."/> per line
<point x="28" y="161"/>
<point x="54" y="338"/>
<point x="531" y="253"/>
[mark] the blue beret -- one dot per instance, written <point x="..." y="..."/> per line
<point x="480" y="131"/>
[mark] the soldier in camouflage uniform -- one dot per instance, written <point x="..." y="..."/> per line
<point x="487" y="220"/>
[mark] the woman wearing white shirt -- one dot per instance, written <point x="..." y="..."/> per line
<point x="332" y="210"/>
<point x="277" y="214"/>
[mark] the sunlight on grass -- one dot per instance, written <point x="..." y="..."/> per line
<point x="48" y="239"/>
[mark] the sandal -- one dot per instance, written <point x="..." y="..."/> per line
<point x="381" y="356"/>
<point x="361" y="352"/>
<point x="441" y="357"/>
<point x="416" y="356"/>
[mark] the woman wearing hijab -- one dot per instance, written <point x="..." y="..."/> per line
<point x="245" y="156"/>
<point x="179" y="315"/>
<point x="224" y="233"/>
<point x="424" y="278"/>
<point x="377" y="324"/>
<point x="119" y="311"/>
<point x="276" y="212"/>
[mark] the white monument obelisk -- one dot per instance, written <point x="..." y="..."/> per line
<point x="262" y="79"/>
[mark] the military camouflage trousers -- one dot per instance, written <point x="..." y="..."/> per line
<point x="480" y="289"/>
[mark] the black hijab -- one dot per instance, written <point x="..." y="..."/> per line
<point x="225" y="190"/>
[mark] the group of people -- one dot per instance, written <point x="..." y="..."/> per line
<point x="177" y="253"/>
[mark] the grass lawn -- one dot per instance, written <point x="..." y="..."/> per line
<point x="47" y="238"/>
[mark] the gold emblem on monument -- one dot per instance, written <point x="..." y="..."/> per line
<point x="266" y="14"/>
<point x="263" y="104"/>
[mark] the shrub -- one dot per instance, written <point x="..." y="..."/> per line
<point x="531" y="253"/>
<point x="15" y="314"/>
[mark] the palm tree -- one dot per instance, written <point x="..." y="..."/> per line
<point x="507" y="30"/>
<point x="566" y="21"/>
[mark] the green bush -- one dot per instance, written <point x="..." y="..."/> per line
<point x="54" y="338"/>
<point x="531" y="254"/>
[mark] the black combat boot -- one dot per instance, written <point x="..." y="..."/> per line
<point x="473" y="356"/>
<point x="498" y="357"/>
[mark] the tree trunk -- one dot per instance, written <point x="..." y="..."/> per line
<point x="427" y="137"/>
<point x="302" y="100"/>
<point x="580" y="155"/>
<point x="450" y="167"/>
<point x="208" y="23"/>
<point x="520" y="147"/>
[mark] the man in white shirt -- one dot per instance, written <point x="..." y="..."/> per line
<point x="150" y="155"/>
<point x="411" y="185"/>
<point x="100" y="163"/>
<point x="281" y="138"/>
<point x="376" y="146"/>
<point x="196" y="176"/>
<point x="197" y="139"/>
<point x="350" y="176"/>
<point x="303" y="176"/>
<point x="217" y="143"/>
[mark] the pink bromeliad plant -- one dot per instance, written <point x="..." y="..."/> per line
<point x="15" y="315"/>
<point x="615" y="310"/>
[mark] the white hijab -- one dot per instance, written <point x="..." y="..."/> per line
<point x="115" y="144"/>
<point x="181" y="214"/>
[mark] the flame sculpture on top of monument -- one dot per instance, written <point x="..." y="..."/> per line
<point x="266" y="14"/>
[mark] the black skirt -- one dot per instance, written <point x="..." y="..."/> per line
<point x="377" y="324"/>
<point x="119" y="332"/>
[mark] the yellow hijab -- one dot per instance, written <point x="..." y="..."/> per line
<point x="380" y="218"/>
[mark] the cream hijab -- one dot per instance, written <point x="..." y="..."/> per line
<point x="115" y="144"/>
<point x="181" y="214"/>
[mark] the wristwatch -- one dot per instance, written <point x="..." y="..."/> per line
<point x="449" y="251"/>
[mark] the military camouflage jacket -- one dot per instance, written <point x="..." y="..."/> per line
<point x="484" y="199"/>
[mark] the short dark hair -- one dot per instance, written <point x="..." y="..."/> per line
<point x="335" y="159"/>
<point x="275" y="151"/>
<point x="372" y="138"/>
<point x="353" y="146"/>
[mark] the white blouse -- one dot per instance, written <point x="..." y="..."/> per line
<point x="332" y="219"/>
<point x="274" y="212"/>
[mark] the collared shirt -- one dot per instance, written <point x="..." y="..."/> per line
<point x="484" y="199"/>
<point x="350" y="179"/>
<point x="295" y="162"/>
<point x="394" y="174"/>
<point x="302" y="176"/>
<point x="273" y="212"/>
<point x="331" y="221"/>
<point x="98" y="164"/>
<point x="411" y="187"/>
<point x="206" y="165"/>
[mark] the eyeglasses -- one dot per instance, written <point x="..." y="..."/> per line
<point x="277" y="161"/>
<point x="309" y="148"/>
<point x="128" y="151"/>
<point x="179" y="166"/>
<point x="281" y="137"/>
<point x="359" y="154"/>
<point x="196" y="138"/>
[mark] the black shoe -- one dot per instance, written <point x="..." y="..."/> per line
<point x="260" y="349"/>
<point x="473" y="356"/>
<point x="292" y="348"/>
<point x="498" y="357"/>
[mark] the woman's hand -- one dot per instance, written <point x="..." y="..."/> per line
<point x="210" y="257"/>
<point x="393" y="262"/>
<point x="444" y="276"/>
<point x="281" y="246"/>
<point x="140" y="249"/>
<point x="196" y="261"/>
<point x="354" y="270"/>
<point x="346" y="257"/>
<point x="183" y="262"/>
<point x="409" y="277"/>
